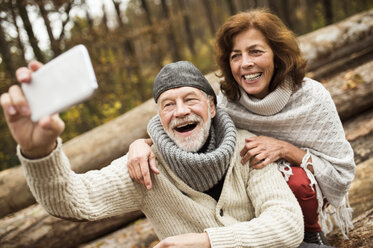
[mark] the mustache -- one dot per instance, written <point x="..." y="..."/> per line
<point x="187" y="119"/>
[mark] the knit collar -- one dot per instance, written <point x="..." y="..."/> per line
<point x="273" y="103"/>
<point x="199" y="170"/>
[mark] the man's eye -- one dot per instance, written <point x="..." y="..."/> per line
<point x="167" y="105"/>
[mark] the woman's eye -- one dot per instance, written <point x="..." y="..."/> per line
<point x="234" y="56"/>
<point x="256" y="52"/>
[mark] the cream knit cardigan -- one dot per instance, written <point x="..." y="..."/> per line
<point x="256" y="207"/>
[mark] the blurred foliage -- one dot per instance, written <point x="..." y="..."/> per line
<point x="128" y="47"/>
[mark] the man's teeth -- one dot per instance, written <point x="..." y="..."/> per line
<point x="251" y="77"/>
<point x="184" y="125"/>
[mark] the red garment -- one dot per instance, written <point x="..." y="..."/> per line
<point x="306" y="196"/>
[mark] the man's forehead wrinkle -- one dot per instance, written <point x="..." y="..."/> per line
<point x="167" y="95"/>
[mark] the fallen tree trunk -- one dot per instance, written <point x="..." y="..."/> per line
<point x="338" y="40"/>
<point x="352" y="90"/>
<point x="33" y="227"/>
<point x="95" y="148"/>
<point x="359" y="132"/>
<point x="138" y="234"/>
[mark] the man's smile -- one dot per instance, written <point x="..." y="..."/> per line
<point x="186" y="127"/>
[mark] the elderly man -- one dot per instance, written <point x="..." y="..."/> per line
<point x="203" y="197"/>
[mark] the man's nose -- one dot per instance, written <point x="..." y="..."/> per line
<point x="181" y="110"/>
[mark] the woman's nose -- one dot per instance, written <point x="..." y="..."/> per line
<point x="247" y="61"/>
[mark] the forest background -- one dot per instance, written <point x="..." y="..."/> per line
<point x="129" y="45"/>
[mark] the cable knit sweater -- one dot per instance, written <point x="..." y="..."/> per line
<point x="308" y="119"/>
<point x="256" y="207"/>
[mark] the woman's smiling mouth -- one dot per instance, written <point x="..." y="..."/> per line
<point x="251" y="77"/>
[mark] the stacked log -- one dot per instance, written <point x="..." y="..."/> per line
<point x="33" y="227"/>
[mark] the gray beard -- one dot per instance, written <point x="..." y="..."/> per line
<point x="195" y="141"/>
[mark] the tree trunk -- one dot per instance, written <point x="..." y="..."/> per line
<point x="328" y="11"/>
<point x="119" y="15"/>
<point x="21" y="6"/>
<point x="359" y="132"/>
<point x="69" y="5"/>
<point x="210" y="19"/>
<point x="54" y="43"/>
<point x="170" y="35"/>
<point x="154" y="47"/>
<point x="331" y="43"/>
<point x="231" y="6"/>
<point x="20" y="44"/>
<point x="352" y="90"/>
<point x="104" y="20"/>
<point x="188" y="30"/>
<point x="6" y="54"/>
<point x="138" y="234"/>
<point x="33" y="227"/>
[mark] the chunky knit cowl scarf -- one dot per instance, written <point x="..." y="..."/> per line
<point x="204" y="169"/>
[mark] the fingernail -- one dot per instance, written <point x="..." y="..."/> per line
<point x="148" y="187"/>
<point x="25" y="110"/>
<point x="22" y="76"/>
<point x="12" y="110"/>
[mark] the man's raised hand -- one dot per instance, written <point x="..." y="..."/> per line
<point x="35" y="139"/>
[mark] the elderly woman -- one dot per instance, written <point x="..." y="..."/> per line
<point x="264" y="90"/>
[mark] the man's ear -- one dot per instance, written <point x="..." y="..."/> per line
<point x="212" y="107"/>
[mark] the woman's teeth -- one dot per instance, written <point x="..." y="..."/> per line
<point x="251" y="77"/>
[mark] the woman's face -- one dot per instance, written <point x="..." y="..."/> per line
<point x="252" y="62"/>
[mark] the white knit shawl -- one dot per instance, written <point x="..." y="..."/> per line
<point x="306" y="118"/>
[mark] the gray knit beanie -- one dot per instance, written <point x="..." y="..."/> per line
<point x="180" y="74"/>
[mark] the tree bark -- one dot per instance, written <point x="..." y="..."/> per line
<point x="231" y="6"/>
<point x="54" y="43"/>
<point x="328" y="11"/>
<point x="33" y="227"/>
<point x="331" y="43"/>
<point x="352" y="90"/>
<point x="170" y="35"/>
<point x="154" y="36"/>
<point x="6" y="54"/>
<point x="210" y="19"/>
<point x="119" y="15"/>
<point x="21" y="6"/>
<point x="188" y="30"/>
<point x="20" y="44"/>
<point x="138" y="234"/>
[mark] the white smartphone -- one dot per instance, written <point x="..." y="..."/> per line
<point x="63" y="82"/>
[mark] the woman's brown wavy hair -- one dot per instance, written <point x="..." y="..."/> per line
<point x="288" y="60"/>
